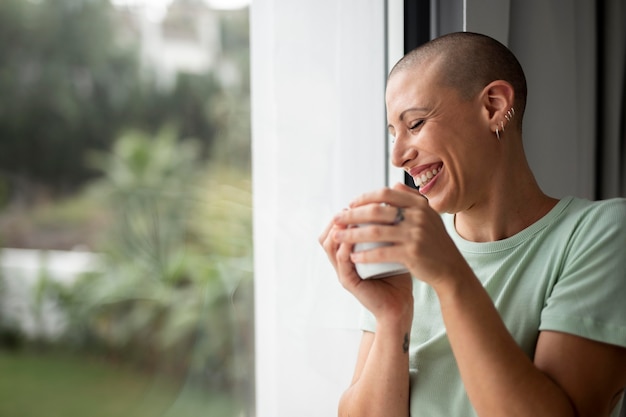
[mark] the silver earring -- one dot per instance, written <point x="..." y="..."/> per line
<point x="498" y="134"/>
<point x="509" y="114"/>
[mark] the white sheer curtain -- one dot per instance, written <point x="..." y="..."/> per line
<point x="318" y="140"/>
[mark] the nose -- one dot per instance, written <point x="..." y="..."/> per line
<point x="402" y="152"/>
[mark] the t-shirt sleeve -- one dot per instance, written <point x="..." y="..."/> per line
<point x="589" y="299"/>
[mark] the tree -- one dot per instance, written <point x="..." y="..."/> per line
<point x="66" y="87"/>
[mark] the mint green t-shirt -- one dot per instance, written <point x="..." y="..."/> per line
<point x="566" y="272"/>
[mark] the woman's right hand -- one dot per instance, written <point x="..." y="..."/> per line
<point x="388" y="299"/>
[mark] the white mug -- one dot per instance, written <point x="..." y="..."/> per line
<point x="376" y="270"/>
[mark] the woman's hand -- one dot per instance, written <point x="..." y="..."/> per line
<point x="420" y="240"/>
<point x="389" y="299"/>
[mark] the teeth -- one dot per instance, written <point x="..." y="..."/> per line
<point x="426" y="177"/>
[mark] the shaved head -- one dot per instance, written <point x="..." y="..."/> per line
<point x="467" y="62"/>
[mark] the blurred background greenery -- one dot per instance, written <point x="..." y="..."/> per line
<point x="126" y="139"/>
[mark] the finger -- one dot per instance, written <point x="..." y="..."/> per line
<point x="345" y="267"/>
<point x="389" y="253"/>
<point x="403" y="187"/>
<point x="371" y="213"/>
<point x="415" y="198"/>
<point x="324" y="235"/>
<point x="383" y="195"/>
<point x="329" y="244"/>
<point x="399" y="195"/>
<point x="370" y="233"/>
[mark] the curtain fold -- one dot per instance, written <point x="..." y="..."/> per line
<point x="611" y="149"/>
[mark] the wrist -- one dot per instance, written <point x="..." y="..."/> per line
<point x="398" y="321"/>
<point x="455" y="283"/>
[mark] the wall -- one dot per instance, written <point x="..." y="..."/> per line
<point x="558" y="56"/>
<point x="318" y="71"/>
<point x="554" y="42"/>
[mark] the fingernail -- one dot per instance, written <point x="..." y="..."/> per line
<point x="338" y="217"/>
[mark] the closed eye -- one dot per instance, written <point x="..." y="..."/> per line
<point x="416" y="124"/>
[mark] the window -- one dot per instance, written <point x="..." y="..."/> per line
<point x="125" y="208"/>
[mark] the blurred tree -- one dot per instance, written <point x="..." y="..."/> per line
<point x="175" y="289"/>
<point x="65" y="85"/>
<point x="231" y="111"/>
<point x="187" y="107"/>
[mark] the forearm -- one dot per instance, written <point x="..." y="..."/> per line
<point x="382" y="387"/>
<point x="499" y="378"/>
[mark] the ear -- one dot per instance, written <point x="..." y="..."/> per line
<point x="497" y="98"/>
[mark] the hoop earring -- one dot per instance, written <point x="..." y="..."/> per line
<point x="509" y="114"/>
<point x="498" y="134"/>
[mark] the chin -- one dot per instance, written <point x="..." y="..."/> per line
<point x="439" y="205"/>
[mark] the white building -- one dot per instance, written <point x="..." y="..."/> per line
<point x="186" y="38"/>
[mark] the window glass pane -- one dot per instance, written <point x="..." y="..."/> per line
<point x="125" y="208"/>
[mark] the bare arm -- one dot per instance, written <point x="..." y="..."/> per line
<point x="571" y="376"/>
<point x="380" y="386"/>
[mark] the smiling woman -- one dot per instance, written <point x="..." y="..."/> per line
<point x="498" y="269"/>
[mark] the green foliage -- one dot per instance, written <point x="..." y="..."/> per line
<point x="187" y="107"/>
<point x="235" y="33"/>
<point x="153" y="164"/>
<point x="11" y="335"/>
<point x="71" y="82"/>
<point x="66" y="86"/>
<point x="175" y="288"/>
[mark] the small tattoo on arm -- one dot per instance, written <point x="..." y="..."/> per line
<point x="405" y="344"/>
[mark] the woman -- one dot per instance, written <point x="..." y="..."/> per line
<point x="515" y="304"/>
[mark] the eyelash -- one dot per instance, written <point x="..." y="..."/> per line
<point x="416" y="125"/>
<point x="411" y="128"/>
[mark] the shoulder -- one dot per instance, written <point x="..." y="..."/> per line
<point x="585" y="220"/>
<point x="611" y="210"/>
<point x="588" y="297"/>
<point x="593" y="231"/>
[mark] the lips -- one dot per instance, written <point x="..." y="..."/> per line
<point x="422" y="175"/>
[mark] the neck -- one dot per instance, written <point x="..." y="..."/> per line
<point x="514" y="202"/>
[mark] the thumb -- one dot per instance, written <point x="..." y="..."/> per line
<point x="403" y="187"/>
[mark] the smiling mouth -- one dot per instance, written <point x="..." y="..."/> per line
<point x="426" y="176"/>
